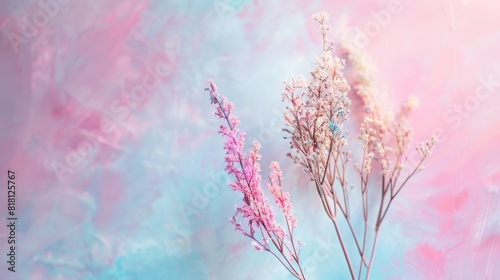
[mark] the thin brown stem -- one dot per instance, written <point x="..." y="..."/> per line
<point x="374" y="248"/>
<point x="344" y="248"/>
<point x="363" y="249"/>
<point x="408" y="178"/>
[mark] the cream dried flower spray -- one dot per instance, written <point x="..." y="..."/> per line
<point x="315" y="117"/>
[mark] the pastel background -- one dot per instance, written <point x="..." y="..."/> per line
<point x="113" y="188"/>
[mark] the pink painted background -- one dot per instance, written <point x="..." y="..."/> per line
<point x="105" y="179"/>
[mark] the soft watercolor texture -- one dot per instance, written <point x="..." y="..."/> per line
<point x="117" y="212"/>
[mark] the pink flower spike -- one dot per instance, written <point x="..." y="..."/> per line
<point x="213" y="86"/>
<point x="282" y="199"/>
<point x="263" y="228"/>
